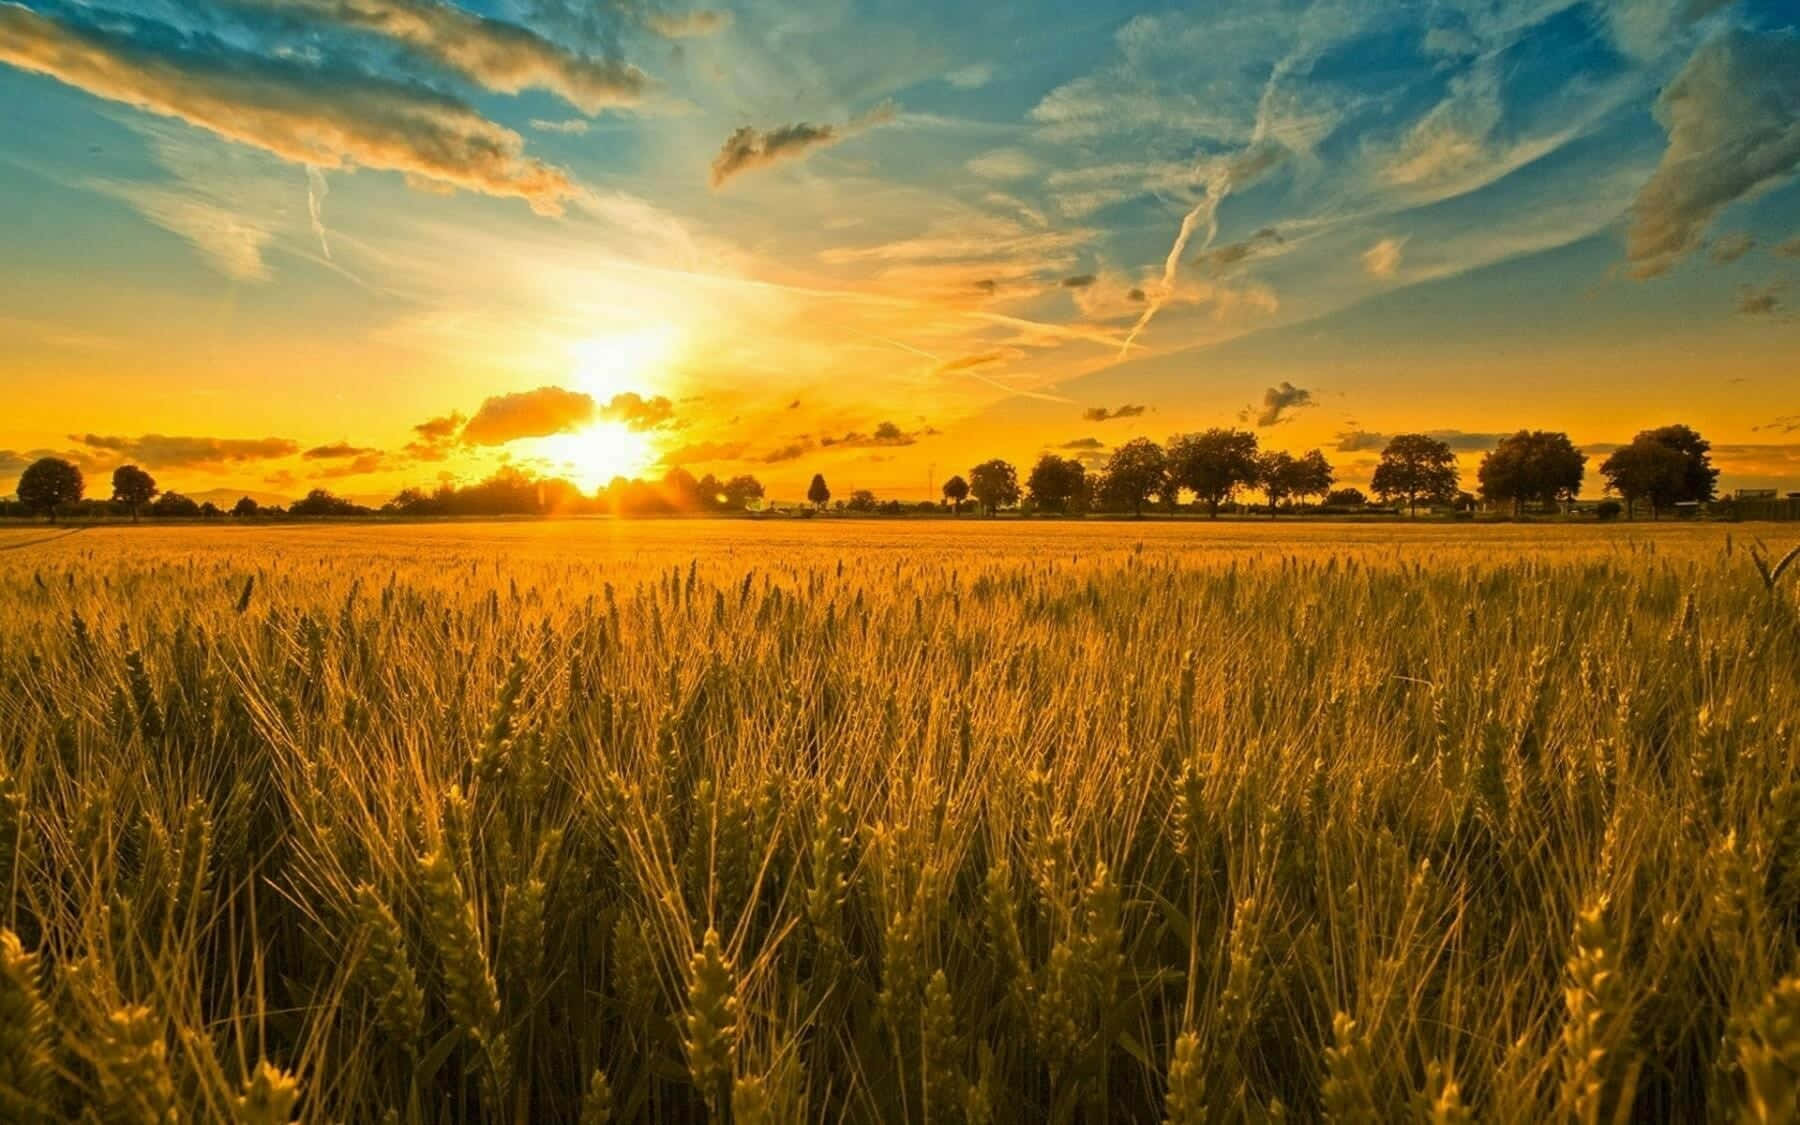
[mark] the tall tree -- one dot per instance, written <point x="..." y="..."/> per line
<point x="742" y="491"/>
<point x="1313" y="475"/>
<point x="1668" y="465"/>
<point x="1276" y="473"/>
<point x="1055" y="481"/>
<point x="817" y="492"/>
<point x="1646" y="470"/>
<point x="1213" y="465"/>
<point x="995" y="484"/>
<point x="1533" y="465"/>
<point x="956" y="490"/>
<point x="1416" y="467"/>
<point x="1136" y="471"/>
<point x="133" y="487"/>
<point x="48" y="483"/>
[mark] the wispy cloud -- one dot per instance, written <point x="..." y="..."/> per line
<point x="1278" y="403"/>
<point x="749" y="148"/>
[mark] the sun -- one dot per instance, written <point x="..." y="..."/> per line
<point x="604" y="367"/>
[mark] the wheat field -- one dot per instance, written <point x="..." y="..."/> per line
<point x="934" y="822"/>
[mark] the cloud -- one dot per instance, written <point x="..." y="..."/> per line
<point x="1789" y="249"/>
<point x="1003" y="164"/>
<point x="1733" y="120"/>
<point x="792" y="451"/>
<point x="1786" y="424"/>
<point x="366" y="461"/>
<point x="573" y="127"/>
<point x="1362" y="441"/>
<point x="1102" y="414"/>
<point x="330" y="119"/>
<point x="688" y="25"/>
<point x="886" y="434"/>
<point x="749" y="148"/>
<point x="1221" y="258"/>
<point x="528" y="414"/>
<point x="701" y="452"/>
<point x="162" y="451"/>
<point x="971" y="77"/>
<point x="1079" y="281"/>
<point x="1763" y="300"/>
<point x="1729" y="248"/>
<point x="1087" y="443"/>
<point x="637" y="412"/>
<point x="336" y="451"/>
<point x="231" y="241"/>
<point x="501" y="56"/>
<point x="1278" y="401"/>
<point x="1383" y="259"/>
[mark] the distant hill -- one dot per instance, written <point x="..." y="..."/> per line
<point x="226" y="497"/>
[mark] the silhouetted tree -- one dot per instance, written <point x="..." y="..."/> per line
<point x="1541" y="465"/>
<point x="956" y="490"/>
<point x="1666" y="466"/>
<point x="995" y="484"/>
<point x="319" y="502"/>
<point x="1135" y="472"/>
<point x="1213" y="465"/>
<point x="173" y="505"/>
<point x="817" y="492"/>
<point x="741" y="491"/>
<point x="49" y="483"/>
<point x="133" y="488"/>
<point x="861" y="500"/>
<point x="1416" y="467"/>
<point x="1313" y="475"/>
<point x="245" y="508"/>
<point x="1276" y="473"/>
<point x="1345" y="498"/>
<point x="1055" y="482"/>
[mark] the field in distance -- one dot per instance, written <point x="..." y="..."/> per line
<point x="939" y="821"/>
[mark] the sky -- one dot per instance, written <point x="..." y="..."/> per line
<point x="275" y="245"/>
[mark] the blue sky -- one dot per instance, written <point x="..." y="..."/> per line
<point x="881" y="239"/>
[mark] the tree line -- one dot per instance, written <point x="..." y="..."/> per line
<point x="1660" y="468"/>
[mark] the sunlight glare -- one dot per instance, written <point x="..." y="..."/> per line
<point x="592" y="457"/>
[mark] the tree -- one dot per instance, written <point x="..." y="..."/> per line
<point x="995" y="484"/>
<point x="1668" y="465"/>
<point x="817" y="493"/>
<point x="133" y="487"/>
<point x="1345" y="498"/>
<point x="1136" y="471"/>
<point x="246" y="507"/>
<point x="1276" y="472"/>
<point x="1416" y="467"/>
<point x="48" y="483"/>
<point x="1646" y="470"/>
<point x="1313" y="475"/>
<point x="742" y="491"/>
<point x="862" y="500"/>
<point x="173" y="505"/>
<point x="1541" y="465"/>
<point x="1213" y="465"/>
<point x="956" y="490"/>
<point x="1055" y="482"/>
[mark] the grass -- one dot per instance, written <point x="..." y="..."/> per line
<point x="949" y="823"/>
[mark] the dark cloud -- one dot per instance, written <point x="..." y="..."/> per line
<point x="1221" y="258"/>
<point x="987" y="285"/>
<point x="1730" y="116"/>
<point x="968" y="362"/>
<point x="1790" y="248"/>
<point x="312" y="115"/>
<point x="1760" y="300"/>
<point x="701" y="452"/>
<point x="638" y="412"/>
<point x="367" y="461"/>
<point x="1277" y="403"/>
<point x="162" y="451"/>
<point x="1089" y="443"/>
<point x="750" y="148"/>
<point x="336" y="451"/>
<point x="529" y="414"/>
<point x="1361" y="441"/>
<point x="1102" y="414"/>
<point x="436" y="437"/>
<point x="1786" y="424"/>
<point x="887" y="433"/>
<point x="789" y="452"/>
<point x="1136" y="295"/>
<point x="1079" y="281"/>
<point x="1728" y="248"/>
<point x="500" y="56"/>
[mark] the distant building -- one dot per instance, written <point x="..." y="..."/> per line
<point x="1756" y="494"/>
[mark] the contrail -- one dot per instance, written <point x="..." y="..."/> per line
<point x="316" y="190"/>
